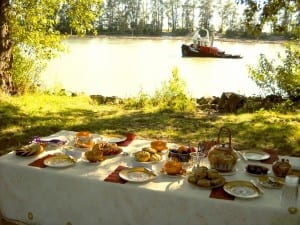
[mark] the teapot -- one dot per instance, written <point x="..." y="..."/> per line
<point x="222" y="157"/>
<point x="281" y="168"/>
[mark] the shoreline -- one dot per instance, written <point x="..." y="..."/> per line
<point x="168" y="37"/>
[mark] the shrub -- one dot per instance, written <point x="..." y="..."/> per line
<point x="171" y="97"/>
<point x="282" y="79"/>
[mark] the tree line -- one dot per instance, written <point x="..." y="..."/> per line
<point x="181" y="17"/>
<point x="31" y="31"/>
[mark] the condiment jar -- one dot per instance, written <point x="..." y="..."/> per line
<point x="84" y="139"/>
<point x="222" y="157"/>
<point x="281" y="168"/>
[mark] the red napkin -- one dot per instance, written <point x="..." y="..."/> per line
<point x="40" y="162"/>
<point x="129" y="138"/>
<point x="114" y="176"/>
<point x="273" y="156"/>
<point x="219" y="193"/>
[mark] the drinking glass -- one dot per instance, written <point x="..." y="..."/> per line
<point x="197" y="159"/>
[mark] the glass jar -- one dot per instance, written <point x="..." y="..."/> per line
<point x="84" y="139"/>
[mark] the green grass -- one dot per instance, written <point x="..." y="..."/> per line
<point x="26" y="116"/>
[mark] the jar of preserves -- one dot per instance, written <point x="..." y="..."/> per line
<point x="281" y="168"/>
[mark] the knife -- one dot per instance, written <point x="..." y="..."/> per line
<point x="257" y="187"/>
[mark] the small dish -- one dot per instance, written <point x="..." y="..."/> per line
<point x="255" y="155"/>
<point x="115" y="139"/>
<point x="241" y="189"/>
<point x="271" y="182"/>
<point x="257" y="170"/>
<point x="137" y="174"/>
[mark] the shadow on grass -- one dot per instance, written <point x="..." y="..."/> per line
<point x="18" y="128"/>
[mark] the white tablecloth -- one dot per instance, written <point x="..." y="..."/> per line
<point x="78" y="195"/>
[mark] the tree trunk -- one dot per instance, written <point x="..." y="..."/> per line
<point x="6" y="55"/>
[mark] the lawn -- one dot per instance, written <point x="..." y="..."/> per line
<point x="23" y="117"/>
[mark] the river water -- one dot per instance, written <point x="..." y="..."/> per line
<point x="123" y="67"/>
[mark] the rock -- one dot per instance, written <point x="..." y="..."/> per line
<point x="231" y="102"/>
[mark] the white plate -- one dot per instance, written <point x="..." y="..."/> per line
<point x="59" y="161"/>
<point x="241" y="189"/>
<point x="255" y="155"/>
<point x="137" y="174"/>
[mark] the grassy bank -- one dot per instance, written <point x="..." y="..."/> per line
<point x="26" y="116"/>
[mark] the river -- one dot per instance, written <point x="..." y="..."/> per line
<point x="123" y="67"/>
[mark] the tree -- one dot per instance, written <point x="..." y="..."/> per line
<point x="6" y="56"/>
<point x="282" y="79"/>
<point x="228" y="15"/>
<point x="206" y="8"/>
<point x="29" y="40"/>
<point x="258" y="13"/>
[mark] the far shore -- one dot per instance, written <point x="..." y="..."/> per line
<point x="273" y="40"/>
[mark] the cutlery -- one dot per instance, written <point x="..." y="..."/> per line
<point x="274" y="181"/>
<point x="257" y="187"/>
<point x="149" y="171"/>
<point x="242" y="156"/>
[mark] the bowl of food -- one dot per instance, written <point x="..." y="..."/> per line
<point x="181" y="153"/>
<point x="256" y="170"/>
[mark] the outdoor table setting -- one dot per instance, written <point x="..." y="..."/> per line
<point x="84" y="178"/>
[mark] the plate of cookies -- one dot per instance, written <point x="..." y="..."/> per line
<point x="207" y="178"/>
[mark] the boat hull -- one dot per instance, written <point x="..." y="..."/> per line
<point x="189" y="51"/>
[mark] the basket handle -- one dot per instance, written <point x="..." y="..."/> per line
<point x="229" y="135"/>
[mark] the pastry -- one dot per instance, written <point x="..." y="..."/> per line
<point x="212" y="174"/>
<point x="173" y="168"/>
<point x="108" y="148"/>
<point x="142" y="156"/>
<point x="150" y="150"/>
<point x="217" y="181"/>
<point x="95" y="155"/>
<point x="204" y="177"/>
<point x="203" y="183"/>
<point x="155" y="157"/>
<point x="159" y="145"/>
<point x="30" y="150"/>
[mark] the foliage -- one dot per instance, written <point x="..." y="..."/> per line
<point x="282" y="79"/>
<point x="142" y="100"/>
<point x="36" y="41"/>
<point x="277" y="13"/>
<point x="171" y="97"/>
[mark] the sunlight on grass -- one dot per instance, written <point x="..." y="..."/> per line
<point x="26" y="116"/>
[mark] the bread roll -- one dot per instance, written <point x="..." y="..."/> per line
<point x="142" y="156"/>
<point x="203" y="183"/>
